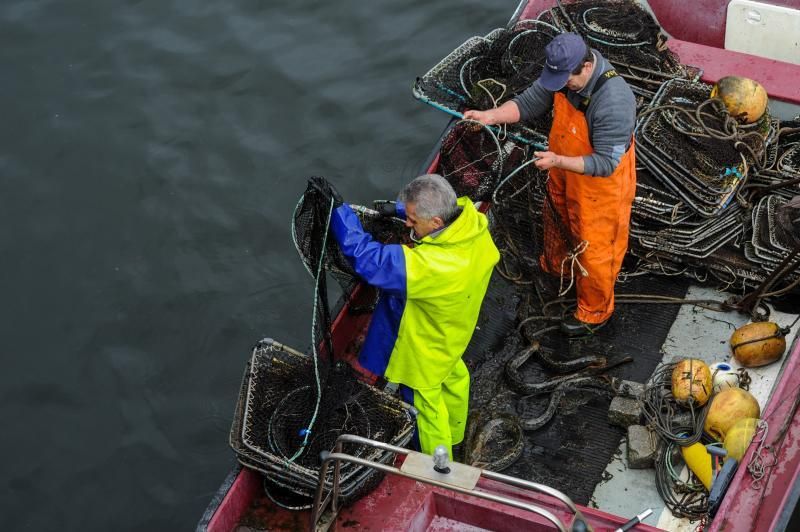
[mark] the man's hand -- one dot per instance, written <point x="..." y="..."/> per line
<point x="484" y="117"/>
<point x="328" y="191"/>
<point x="508" y="113"/>
<point x="548" y="159"/>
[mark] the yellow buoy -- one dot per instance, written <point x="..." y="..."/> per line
<point x="699" y="461"/>
<point x="691" y="381"/>
<point x="728" y="407"/>
<point x="745" y="99"/>
<point x="739" y="436"/>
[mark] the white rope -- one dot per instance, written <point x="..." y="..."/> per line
<point x="572" y="257"/>
<point x="756" y="467"/>
<point x="503" y="130"/>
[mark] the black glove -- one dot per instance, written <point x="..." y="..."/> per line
<point x="328" y="191"/>
<point x="387" y="209"/>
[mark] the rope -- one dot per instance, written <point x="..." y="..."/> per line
<point x="659" y="408"/>
<point x="756" y="467"/>
<point x="572" y="257"/>
<point x="307" y="431"/>
<point x="503" y="129"/>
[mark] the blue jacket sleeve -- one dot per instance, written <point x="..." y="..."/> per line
<point x="381" y="265"/>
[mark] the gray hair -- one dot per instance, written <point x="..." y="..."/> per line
<point x="432" y="196"/>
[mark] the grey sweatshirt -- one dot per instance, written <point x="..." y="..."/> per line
<point x="611" y="116"/>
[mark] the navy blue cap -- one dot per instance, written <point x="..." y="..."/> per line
<point x="563" y="55"/>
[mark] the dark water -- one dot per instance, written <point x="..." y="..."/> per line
<point x="151" y="153"/>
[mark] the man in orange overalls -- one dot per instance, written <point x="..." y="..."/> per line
<point x="592" y="170"/>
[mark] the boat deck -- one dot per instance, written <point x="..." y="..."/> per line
<point x="703" y="334"/>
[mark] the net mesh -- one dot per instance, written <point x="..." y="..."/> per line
<point x="275" y="402"/>
<point x="485" y="72"/>
<point x="484" y="168"/>
<point x="309" y="230"/>
<point x="474" y="160"/>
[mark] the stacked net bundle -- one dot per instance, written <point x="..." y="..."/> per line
<point x="662" y="221"/>
<point x="311" y="239"/>
<point x="485" y="72"/>
<point x="781" y="173"/>
<point x="757" y="252"/>
<point x="276" y="402"/>
<point x="770" y="240"/>
<point x="741" y="245"/>
<point x="692" y="146"/>
<point x="628" y="36"/>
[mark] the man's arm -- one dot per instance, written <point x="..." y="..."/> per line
<point x="508" y="113"/>
<point x="532" y="102"/>
<point x="380" y="265"/>
<point x="612" y="118"/>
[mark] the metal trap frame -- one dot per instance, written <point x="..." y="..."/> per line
<point x="713" y="169"/>
<point x="469" y="77"/>
<point x="275" y="365"/>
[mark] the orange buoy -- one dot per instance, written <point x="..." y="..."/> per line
<point x="691" y="381"/>
<point x="758" y="343"/>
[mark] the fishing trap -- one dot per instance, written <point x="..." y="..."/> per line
<point x="276" y="402"/>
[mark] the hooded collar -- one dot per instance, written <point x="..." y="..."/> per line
<point x="464" y="228"/>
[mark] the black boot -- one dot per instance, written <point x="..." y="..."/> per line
<point x="574" y="328"/>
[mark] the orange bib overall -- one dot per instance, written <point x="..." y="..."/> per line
<point x="595" y="210"/>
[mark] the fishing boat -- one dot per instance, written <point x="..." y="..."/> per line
<point x="721" y="38"/>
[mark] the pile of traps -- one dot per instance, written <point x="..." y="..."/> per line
<point x="695" y="149"/>
<point x="628" y="36"/>
<point x="485" y="72"/>
<point x="276" y="408"/>
<point x="727" y="229"/>
<point x="708" y="186"/>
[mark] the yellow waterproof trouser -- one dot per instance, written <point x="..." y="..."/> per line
<point x="442" y="409"/>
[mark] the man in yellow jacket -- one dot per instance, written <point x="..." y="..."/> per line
<point x="431" y="295"/>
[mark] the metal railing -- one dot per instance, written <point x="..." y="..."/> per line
<point x="435" y="479"/>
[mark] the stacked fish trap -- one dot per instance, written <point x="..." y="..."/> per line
<point x="770" y="241"/>
<point x="276" y="402"/>
<point x="662" y="222"/>
<point x="487" y="71"/>
<point x="699" y="213"/>
<point x="626" y="35"/>
<point x="694" y="148"/>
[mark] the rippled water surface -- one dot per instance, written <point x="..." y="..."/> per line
<point x="151" y="153"/>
